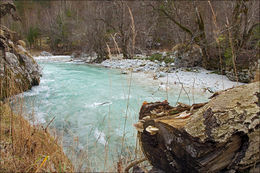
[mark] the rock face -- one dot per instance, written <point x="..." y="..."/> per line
<point x="18" y="69"/>
<point x="221" y="135"/>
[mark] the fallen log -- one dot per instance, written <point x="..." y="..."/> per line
<point x="218" y="136"/>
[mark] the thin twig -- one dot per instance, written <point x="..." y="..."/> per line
<point x="114" y="40"/>
<point x="45" y="129"/>
<point x="182" y="88"/>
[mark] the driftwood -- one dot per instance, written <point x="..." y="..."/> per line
<point x="219" y="136"/>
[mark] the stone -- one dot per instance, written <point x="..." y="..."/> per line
<point x="163" y="64"/>
<point x="45" y="53"/>
<point x="124" y="72"/>
<point x="190" y="56"/>
<point x="11" y="59"/>
<point x="161" y="74"/>
<point x="164" y="54"/>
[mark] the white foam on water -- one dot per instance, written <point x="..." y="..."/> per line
<point x="96" y="104"/>
<point x="35" y="90"/>
<point x="43" y="81"/>
<point x="121" y="97"/>
<point x="100" y="136"/>
<point x="56" y="58"/>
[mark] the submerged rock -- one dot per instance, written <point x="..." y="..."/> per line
<point x="124" y="72"/>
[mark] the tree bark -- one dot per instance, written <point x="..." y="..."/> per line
<point x="221" y="135"/>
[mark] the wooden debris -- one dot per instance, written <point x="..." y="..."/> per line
<point x="221" y="135"/>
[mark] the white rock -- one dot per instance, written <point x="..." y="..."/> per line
<point x="44" y="53"/>
<point x="163" y="64"/>
<point x="164" y="54"/>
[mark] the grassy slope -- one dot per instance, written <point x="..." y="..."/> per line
<point x="26" y="148"/>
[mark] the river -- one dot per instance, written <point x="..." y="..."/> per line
<point x="94" y="109"/>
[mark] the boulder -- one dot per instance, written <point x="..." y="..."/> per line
<point x="187" y="55"/>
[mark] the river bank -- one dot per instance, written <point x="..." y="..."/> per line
<point x="164" y="76"/>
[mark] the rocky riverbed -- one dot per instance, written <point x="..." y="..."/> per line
<point x="167" y="76"/>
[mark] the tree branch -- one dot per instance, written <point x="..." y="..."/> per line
<point x="184" y="28"/>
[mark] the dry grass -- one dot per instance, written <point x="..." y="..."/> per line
<point x="27" y="148"/>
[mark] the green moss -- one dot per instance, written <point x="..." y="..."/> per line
<point x="160" y="58"/>
<point x="228" y="57"/>
<point x="68" y="13"/>
<point x="156" y="56"/>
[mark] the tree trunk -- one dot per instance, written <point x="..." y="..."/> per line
<point x="221" y="135"/>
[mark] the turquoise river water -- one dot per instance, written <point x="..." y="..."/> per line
<point x="91" y="105"/>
